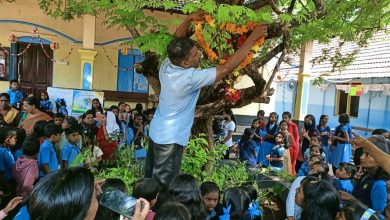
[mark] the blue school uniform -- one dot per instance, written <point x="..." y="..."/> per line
<point x="277" y="152"/>
<point x="47" y="155"/>
<point x="248" y="152"/>
<point x="325" y="141"/>
<point x="69" y="153"/>
<point x="344" y="185"/>
<point x="16" y="154"/>
<point x="15" y="96"/>
<point x="46" y="105"/>
<point x="23" y="214"/>
<point x="6" y="163"/>
<point x="268" y="144"/>
<point x="343" y="151"/>
<point x="304" y="170"/>
<point x="371" y="192"/>
<point x="140" y="151"/>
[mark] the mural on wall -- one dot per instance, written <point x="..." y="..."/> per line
<point x="82" y="100"/>
<point x="77" y="101"/>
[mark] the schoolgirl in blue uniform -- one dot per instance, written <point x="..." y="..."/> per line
<point x="324" y="132"/>
<point x="343" y="135"/>
<point x="270" y="130"/>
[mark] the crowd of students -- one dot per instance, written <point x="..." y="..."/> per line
<point x="39" y="151"/>
<point x="323" y="161"/>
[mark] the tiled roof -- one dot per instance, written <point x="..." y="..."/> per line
<point x="371" y="61"/>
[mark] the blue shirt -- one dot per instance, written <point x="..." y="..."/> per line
<point x="6" y="162"/>
<point x="15" y="96"/>
<point x="69" y="153"/>
<point x="22" y="214"/>
<point x="324" y="139"/>
<point x="344" y="185"/>
<point x="46" y="104"/>
<point x="47" y="155"/>
<point x="180" y="88"/>
<point x="277" y="152"/>
<point x="18" y="153"/>
<point x="248" y="152"/>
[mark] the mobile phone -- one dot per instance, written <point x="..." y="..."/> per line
<point x="118" y="202"/>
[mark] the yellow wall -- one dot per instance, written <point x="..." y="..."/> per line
<point x="69" y="75"/>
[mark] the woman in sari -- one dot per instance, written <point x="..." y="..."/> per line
<point x="8" y="116"/>
<point x="34" y="114"/>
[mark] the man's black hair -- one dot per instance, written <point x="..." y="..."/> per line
<point x="179" y="50"/>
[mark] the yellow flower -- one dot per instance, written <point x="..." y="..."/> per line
<point x="255" y="48"/>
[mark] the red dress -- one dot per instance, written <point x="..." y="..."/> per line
<point x="108" y="147"/>
<point x="294" y="149"/>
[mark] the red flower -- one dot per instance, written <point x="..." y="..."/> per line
<point x="241" y="40"/>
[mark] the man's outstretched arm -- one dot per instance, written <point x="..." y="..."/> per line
<point x="182" y="30"/>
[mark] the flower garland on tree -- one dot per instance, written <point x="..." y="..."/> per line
<point x="232" y="95"/>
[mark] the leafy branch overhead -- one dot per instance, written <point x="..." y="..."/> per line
<point x="290" y="24"/>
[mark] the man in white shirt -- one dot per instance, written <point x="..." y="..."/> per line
<point x="181" y="83"/>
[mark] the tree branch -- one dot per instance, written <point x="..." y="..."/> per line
<point x="257" y="4"/>
<point x="265" y="59"/>
<point x="292" y="5"/>
<point x="276" y="68"/>
<point x="274" y="7"/>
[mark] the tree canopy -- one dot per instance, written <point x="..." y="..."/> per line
<point x="290" y="24"/>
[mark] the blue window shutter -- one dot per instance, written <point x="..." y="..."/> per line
<point x="141" y="84"/>
<point x="125" y="78"/>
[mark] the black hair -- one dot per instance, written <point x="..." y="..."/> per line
<point x="39" y="128"/>
<point x="322" y="117"/>
<point x="185" y="189"/>
<point x="285" y="138"/>
<point x="120" y="103"/>
<point x="229" y="112"/>
<point x="344" y="118"/>
<point x="313" y="123"/>
<point x="59" y="115"/>
<point x="173" y="211"/>
<point x="31" y="100"/>
<point x="20" y="137"/>
<point x="208" y="187"/>
<point x="89" y="112"/>
<point x="72" y="128"/>
<point x="319" y="146"/>
<point x="321" y="199"/>
<point x="349" y="168"/>
<point x="251" y="190"/>
<point x="354" y="210"/>
<point x="104" y="213"/>
<point x="288" y="114"/>
<point x="261" y="112"/>
<point x="52" y="129"/>
<point x="379" y="131"/>
<point x="146" y="188"/>
<point x="320" y="157"/>
<point x="114" y="107"/>
<point x="179" y="50"/>
<point x="323" y="176"/>
<point x="47" y="94"/>
<point x="100" y="105"/>
<point x="323" y="165"/>
<point x="239" y="201"/>
<point x="5" y="95"/>
<point x="13" y="81"/>
<point x="246" y="135"/>
<point x="6" y="132"/>
<point x="31" y="146"/>
<point x="65" y="194"/>
<point x="276" y="117"/>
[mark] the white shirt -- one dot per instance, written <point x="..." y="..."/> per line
<point x="228" y="126"/>
<point x="292" y="209"/>
<point x="180" y="88"/>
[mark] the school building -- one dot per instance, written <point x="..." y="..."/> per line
<point x="87" y="55"/>
<point x="362" y="89"/>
